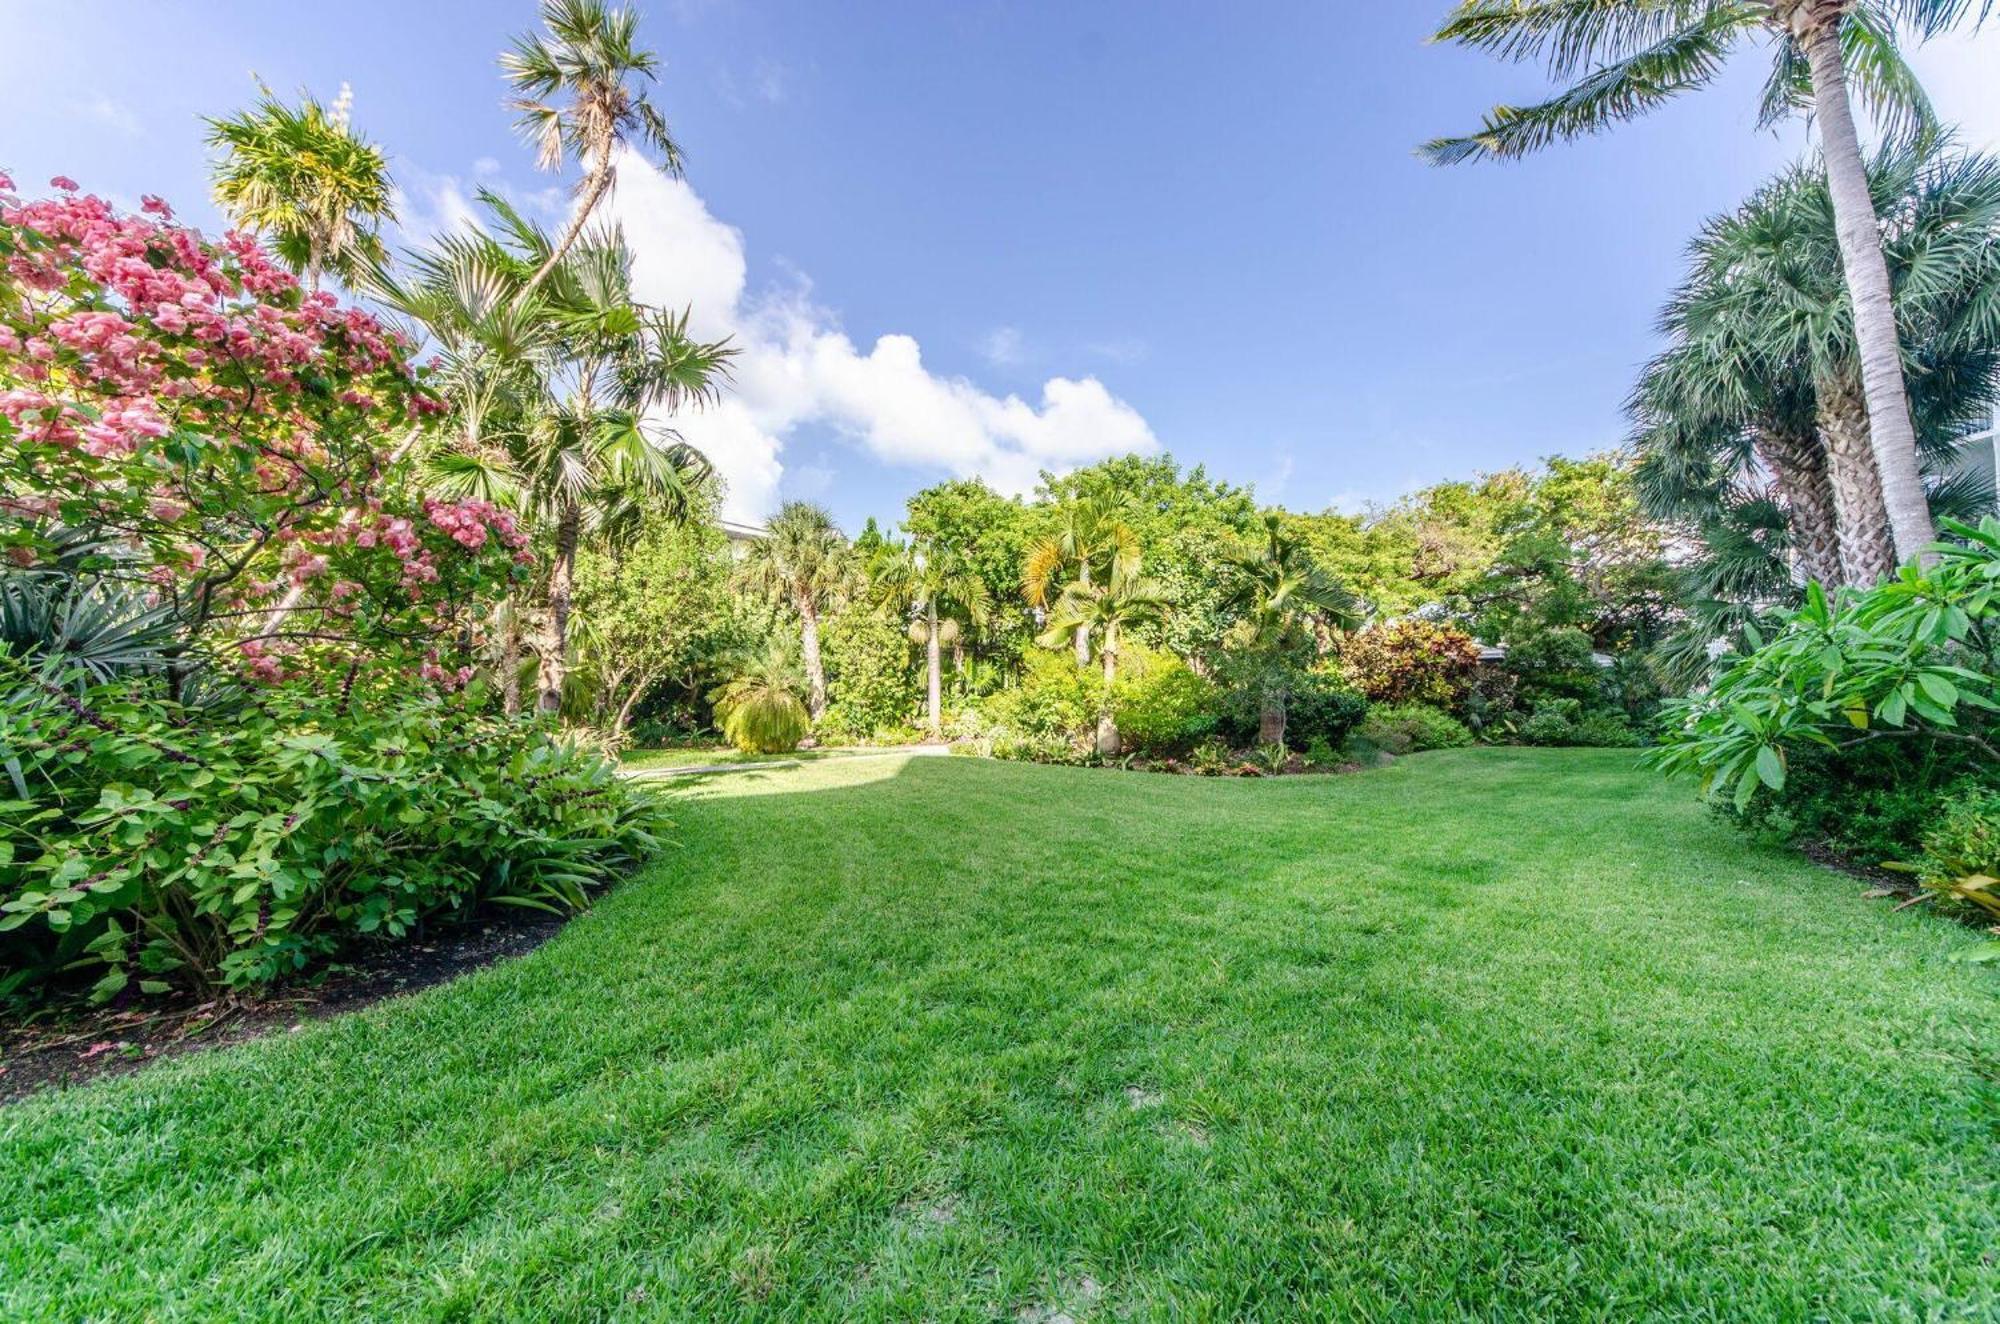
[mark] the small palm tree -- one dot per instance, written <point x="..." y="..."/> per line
<point x="1107" y="609"/>
<point x="759" y="711"/>
<point x="578" y="95"/>
<point x="1622" y="58"/>
<point x="1282" y="599"/>
<point x="1090" y="542"/>
<point x="805" y="563"/>
<point x="940" y="594"/>
<point x="302" y="177"/>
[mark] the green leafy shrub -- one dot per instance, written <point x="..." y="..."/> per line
<point x="1961" y="860"/>
<point x="1411" y="728"/>
<point x="1051" y="715"/>
<point x="1162" y="707"/>
<point x="1411" y="661"/>
<point x="1319" y="706"/>
<point x="1859" y="718"/>
<point x="227" y="847"/>
<point x="1565" y="722"/>
<point x="872" y="688"/>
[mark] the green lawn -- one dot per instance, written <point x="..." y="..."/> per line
<point x="1506" y="1034"/>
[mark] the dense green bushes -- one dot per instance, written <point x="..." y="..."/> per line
<point x="154" y="843"/>
<point x="1862" y="718"/>
<point x="1411" y="728"/>
<point x="1163" y="709"/>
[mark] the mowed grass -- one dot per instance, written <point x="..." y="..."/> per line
<point x="1493" y="1034"/>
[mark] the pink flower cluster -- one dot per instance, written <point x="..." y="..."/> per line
<point x="468" y="523"/>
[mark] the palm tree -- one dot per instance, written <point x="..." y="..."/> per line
<point x="805" y="563"/>
<point x="578" y="98"/>
<point x="1627" y="56"/>
<point x="1107" y="608"/>
<point x="556" y="393"/>
<point x="759" y="710"/>
<point x="1764" y="353"/>
<point x="940" y="594"/>
<point x="1090" y="542"/>
<point x="1281" y="598"/>
<point x="305" y="179"/>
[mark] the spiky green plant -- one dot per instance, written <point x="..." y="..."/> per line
<point x="760" y="710"/>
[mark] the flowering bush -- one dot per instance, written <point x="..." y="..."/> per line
<point x="138" y="845"/>
<point x="225" y="445"/>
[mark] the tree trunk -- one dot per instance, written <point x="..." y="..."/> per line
<point x="1083" y="631"/>
<point x="1867" y="551"/>
<point x="1271" y="719"/>
<point x="1107" y="720"/>
<point x="510" y="661"/>
<point x="1797" y="465"/>
<point x="933" y="692"/>
<point x="815" y="669"/>
<point x="1892" y="436"/>
<point x="562" y="582"/>
<point x="595" y="186"/>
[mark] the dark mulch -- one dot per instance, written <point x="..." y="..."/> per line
<point x="82" y="1044"/>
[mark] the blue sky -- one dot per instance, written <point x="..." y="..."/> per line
<point x="986" y="236"/>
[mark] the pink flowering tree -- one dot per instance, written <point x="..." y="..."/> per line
<point x="182" y="422"/>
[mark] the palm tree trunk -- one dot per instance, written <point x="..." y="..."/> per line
<point x="510" y="661"/>
<point x="1797" y="464"/>
<point x="815" y="669"/>
<point x="1271" y="718"/>
<point x="596" y="185"/>
<point x="1867" y="550"/>
<point x="1892" y="436"/>
<point x="1107" y="720"/>
<point x="1083" y="631"/>
<point x="562" y="583"/>
<point x="933" y="682"/>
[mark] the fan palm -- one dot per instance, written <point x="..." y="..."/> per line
<point x="1622" y="58"/>
<point x="304" y="178"/>
<point x="1281" y="599"/>
<point x="805" y="563"/>
<point x="1107" y="609"/>
<point x="553" y="395"/>
<point x="759" y="710"/>
<point x="939" y="594"/>
<point x="1090" y="542"/>
<point x="578" y="96"/>
<point x="1764" y="363"/>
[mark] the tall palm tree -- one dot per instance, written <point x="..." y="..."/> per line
<point x="1281" y="598"/>
<point x="805" y="563"/>
<point x="1624" y="57"/>
<point x="302" y="177"/>
<point x="1090" y="542"/>
<point x="1763" y="345"/>
<point x="940" y="594"/>
<point x="1107" y="609"/>
<point x="579" y="97"/>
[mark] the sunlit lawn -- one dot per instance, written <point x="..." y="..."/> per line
<point x="1492" y="1033"/>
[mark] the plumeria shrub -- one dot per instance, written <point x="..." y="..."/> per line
<point x="1861" y="715"/>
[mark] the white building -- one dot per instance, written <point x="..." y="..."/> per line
<point x="1982" y="452"/>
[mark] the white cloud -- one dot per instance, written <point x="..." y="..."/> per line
<point x="799" y="368"/>
<point x="111" y="114"/>
<point x="1003" y="347"/>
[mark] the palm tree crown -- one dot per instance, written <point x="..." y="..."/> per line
<point x="578" y="95"/>
<point x="938" y="592"/>
<point x="302" y="176"/>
